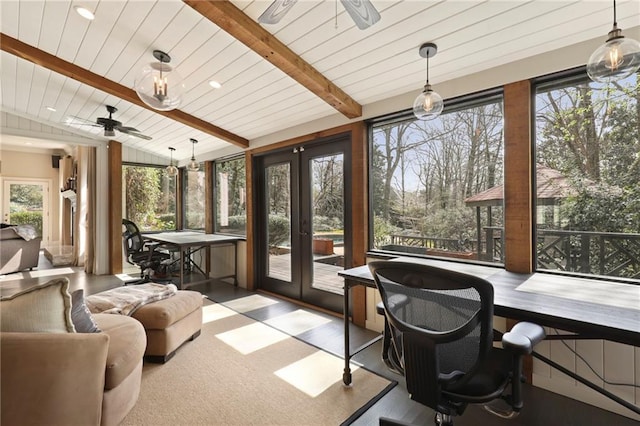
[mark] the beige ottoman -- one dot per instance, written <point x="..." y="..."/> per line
<point x="169" y="323"/>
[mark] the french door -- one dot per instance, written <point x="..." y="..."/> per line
<point x="303" y="221"/>
<point x="26" y="201"/>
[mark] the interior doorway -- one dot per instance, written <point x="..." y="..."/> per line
<point x="303" y="221"/>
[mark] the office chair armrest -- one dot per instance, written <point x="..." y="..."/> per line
<point x="523" y="337"/>
<point x="449" y="377"/>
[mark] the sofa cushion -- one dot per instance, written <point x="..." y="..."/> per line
<point x="80" y="315"/>
<point x="127" y="343"/>
<point x="44" y="308"/>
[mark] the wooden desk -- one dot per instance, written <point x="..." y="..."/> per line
<point x="188" y="243"/>
<point x="593" y="309"/>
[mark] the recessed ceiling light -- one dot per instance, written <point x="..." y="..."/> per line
<point x="52" y="109"/>
<point x="84" y="12"/>
<point x="215" y="84"/>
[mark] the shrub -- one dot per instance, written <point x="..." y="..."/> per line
<point x="27" y="218"/>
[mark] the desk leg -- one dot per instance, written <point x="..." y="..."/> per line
<point x="235" y="264"/>
<point x="181" y="269"/>
<point x="346" y="375"/>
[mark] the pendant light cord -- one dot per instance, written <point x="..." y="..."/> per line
<point x="615" y="21"/>
<point x="427" y="69"/>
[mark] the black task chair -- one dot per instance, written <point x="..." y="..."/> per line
<point x="141" y="253"/>
<point x="445" y="326"/>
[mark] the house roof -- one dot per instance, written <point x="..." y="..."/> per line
<point x="313" y="70"/>
<point x="551" y="186"/>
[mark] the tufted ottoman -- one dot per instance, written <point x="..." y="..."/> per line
<point x="169" y="323"/>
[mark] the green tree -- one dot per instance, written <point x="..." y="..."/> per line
<point x="142" y="194"/>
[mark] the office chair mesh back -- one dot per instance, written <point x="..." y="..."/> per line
<point x="132" y="238"/>
<point x="446" y="328"/>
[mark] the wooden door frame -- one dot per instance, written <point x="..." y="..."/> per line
<point x="359" y="211"/>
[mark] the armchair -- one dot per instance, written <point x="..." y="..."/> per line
<point x="445" y="326"/>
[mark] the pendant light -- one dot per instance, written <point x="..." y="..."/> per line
<point x="159" y="85"/>
<point x="618" y="58"/>
<point x="171" y="169"/>
<point x="429" y="104"/>
<point x="193" y="164"/>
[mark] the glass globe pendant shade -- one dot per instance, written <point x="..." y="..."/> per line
<point x="428" y="105"/>
<point x="615" y="60"/>
<point x="193" y="165"/>
<point x="172" y="170"/>
<point x="159" y="85"/>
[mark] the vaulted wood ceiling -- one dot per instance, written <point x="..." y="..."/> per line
<point x="314" y="64"/>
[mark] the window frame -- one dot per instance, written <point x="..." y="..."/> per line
<point x="479" y="98"/>
<point x="216" y="189"/>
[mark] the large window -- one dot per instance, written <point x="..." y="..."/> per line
<point x="194" y="197"/>
<point x="150" y="197"/>
<point x="588" y="176"/>
<point x="436" y="186"/>
<point x="231" y="213"/>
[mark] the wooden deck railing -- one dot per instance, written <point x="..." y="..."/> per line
<point x="593" y="253"/>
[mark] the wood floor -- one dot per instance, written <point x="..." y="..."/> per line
<point x="541" y="407"/>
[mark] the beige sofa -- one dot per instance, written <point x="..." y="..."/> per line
<point x="69" y="378"/>
<point x="16" y="253"/>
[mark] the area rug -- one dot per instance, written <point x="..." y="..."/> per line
<point x="243" y="372"/>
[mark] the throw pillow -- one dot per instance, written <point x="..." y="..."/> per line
<point x="44" y="308"/>
<point x="80" y="315"/>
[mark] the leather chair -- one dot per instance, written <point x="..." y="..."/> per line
<point x="445" y="326"/>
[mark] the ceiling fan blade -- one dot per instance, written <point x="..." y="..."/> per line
<point x="77" y="121"/>
<point x="133" y="132"/>
<point x="362" y="12"/>
<point x="276" y="11"/>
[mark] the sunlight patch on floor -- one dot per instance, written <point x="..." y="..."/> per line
<point x="315" y="373"/>
<point x="252" y="337"/>
<point x="297" y="322"/>
<point x="215" y="312"/>
<point x="250" y="303"/>
<point x="37" y="274"/>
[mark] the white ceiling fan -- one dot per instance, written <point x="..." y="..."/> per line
<point x="361" y="11"/>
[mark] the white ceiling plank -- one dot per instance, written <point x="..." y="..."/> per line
<point x="128" y="44"/>
<point x="8" y="83"/>
<point x="9" y="17"/>
<point x="54" y="19"/>
<point x="98" y="33"/>
<point x="37" y="90"/>
<point x="30" y="21"/>
<point x="23" y="85"/>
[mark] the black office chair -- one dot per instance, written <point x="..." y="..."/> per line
<point x="141" y="253"/>
<point x="446" y="333"/>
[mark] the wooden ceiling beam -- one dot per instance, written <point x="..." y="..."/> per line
<point x="235" y="22"/>
<point x="60" y="66"/>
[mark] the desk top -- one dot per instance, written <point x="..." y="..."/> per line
<point x="189" y="238"/>
<point x="597" y="308"/>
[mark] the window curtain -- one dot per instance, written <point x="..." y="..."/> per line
<point x="85" y="229"/>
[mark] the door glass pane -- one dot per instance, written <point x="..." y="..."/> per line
<point x="26" y="205"/>
<point x="278" y="180"/>
<point x="327" y="220"/>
